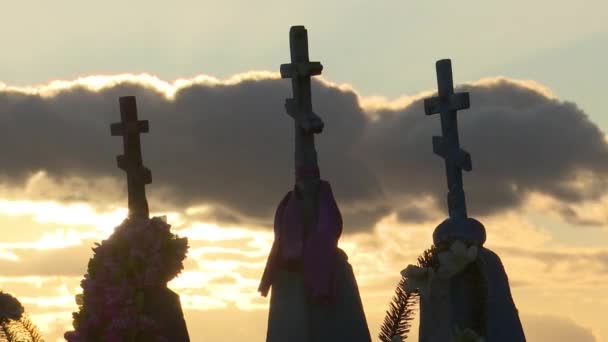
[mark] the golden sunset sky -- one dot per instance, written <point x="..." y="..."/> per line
<point x="220" y="146"/>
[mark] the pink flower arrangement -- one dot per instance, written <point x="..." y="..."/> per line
<point x="140" y="254"/>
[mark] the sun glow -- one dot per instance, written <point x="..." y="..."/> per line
<point x="168" y="89"/>
<point x="57" y="213"/>
<point x="214" y="233"/>
<point x="60" y="238"/>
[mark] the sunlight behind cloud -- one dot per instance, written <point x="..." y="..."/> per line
<point x="213" y="232"/>
<point x="101" y="82"/>
<point x="57" y="213"/>
<point x="60" y="238"/>
<point x="8" y="255"/>
<point x="225" y="262"/>
<point x="375" y="103"/>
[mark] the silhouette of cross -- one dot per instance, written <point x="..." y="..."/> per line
<point x="131" y="161"/>
<point x="447" y="103"/>
<point x="299" y="107"/>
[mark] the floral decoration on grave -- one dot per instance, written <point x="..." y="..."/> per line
<point x="140" y="254"/>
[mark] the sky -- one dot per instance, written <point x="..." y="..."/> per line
<point x="220" y="146"/>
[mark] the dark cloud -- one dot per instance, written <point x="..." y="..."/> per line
<point x="231" y="146"/>
<point x="520" y="142"/>
<point x="414" y="214"/>
<point x="217" y="214"/>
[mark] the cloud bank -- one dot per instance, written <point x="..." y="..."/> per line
<point x="229" y="145"/>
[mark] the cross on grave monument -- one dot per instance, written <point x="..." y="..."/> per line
<point x="307" y="123"/>
<point x="447" y="146"/>
<point x="470" y="289"/>
<point x="131" y="162"/>
<point x="315" y="297"/>
<point x="160" y="303"/>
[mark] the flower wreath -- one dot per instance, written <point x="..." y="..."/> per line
<point x="141" y="253"/>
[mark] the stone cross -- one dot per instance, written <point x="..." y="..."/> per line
<point x="470" y="289"/>
<point x="447" y="103"/>
<point x="138" y="176"/>
<point x="307" y="123"/>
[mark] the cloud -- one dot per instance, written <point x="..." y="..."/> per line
<point x="67" y="261"/>
<point x="582" y="266"/>
<point x="224" y="266"/>
<point x="228" y="145"/>
<point x="231" y="325"/>
<point x="520" y="139"/>
<point x="549" y="328"/>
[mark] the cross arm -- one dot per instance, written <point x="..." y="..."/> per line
<point x="119" y="129"/>
<point x="140" y="172"/>
<point x="301" y="69"/>
<point x="310" y="122"/>
<point x="457" y="157"/>
<point x="454" y="102"/>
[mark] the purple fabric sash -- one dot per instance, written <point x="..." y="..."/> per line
<point x="317" y="252"/>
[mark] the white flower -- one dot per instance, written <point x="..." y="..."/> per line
<point x="417" y="278"/>
<point x="451" y="262"/>
<point x="455" y="259"/>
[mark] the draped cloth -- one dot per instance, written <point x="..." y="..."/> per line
<point x="478" y="298"/>
<point x="502" y="317"/>
<point x="314" y="292"/>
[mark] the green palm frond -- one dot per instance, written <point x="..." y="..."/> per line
<point x="31" y="329"/>
<point x="15" y="326"/>
<point x="22" y="330"/>
<point x="429" y="258"/>
<point x="10" y="332"/>
<point x="397" y="322"/>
